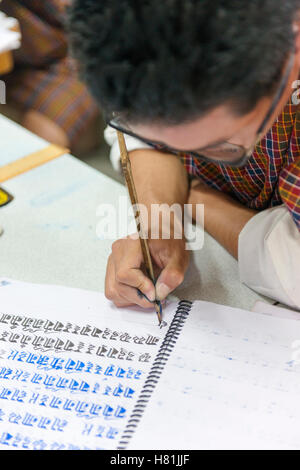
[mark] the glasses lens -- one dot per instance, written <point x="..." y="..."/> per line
<point x="225" y="152"/>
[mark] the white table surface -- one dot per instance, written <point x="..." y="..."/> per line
<point x="50" y="229"/>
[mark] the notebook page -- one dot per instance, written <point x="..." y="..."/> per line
<point x="230" y="383"/>
<point x="71" y="366"/>
<point x="274" y="310"/>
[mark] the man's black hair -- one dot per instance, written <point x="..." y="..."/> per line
<point x="174" y="60"/>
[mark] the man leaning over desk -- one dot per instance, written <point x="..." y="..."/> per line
<point x="216" y="84"/>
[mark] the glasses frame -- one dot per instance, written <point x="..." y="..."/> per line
<point x="246" y="152"/>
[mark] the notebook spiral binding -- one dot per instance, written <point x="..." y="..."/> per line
<point x="155" y="372"/>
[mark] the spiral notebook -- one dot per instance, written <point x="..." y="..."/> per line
<point x="77" y="373"/>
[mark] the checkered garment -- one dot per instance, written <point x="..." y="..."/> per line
<point x="272" y="174"/>
<point x="44" y="78"/>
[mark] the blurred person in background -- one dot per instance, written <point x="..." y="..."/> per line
<point x="43" y="92"/>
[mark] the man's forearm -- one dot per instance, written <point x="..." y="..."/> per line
<point x="224" y="217"/>
<point x="159" y="178"/>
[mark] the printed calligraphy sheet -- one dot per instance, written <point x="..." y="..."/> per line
<point x="71" y="366"/>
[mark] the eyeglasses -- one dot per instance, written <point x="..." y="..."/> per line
<point x="218" y="154"/>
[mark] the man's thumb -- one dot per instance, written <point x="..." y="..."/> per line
<point x="170" y="278"/>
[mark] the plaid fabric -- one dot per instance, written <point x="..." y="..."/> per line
<point x="272" y="174"/>
<point x="44" y="78"/>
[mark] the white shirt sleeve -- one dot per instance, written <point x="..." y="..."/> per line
<point x="269" y="256"/>
<point x="132" y="143"/>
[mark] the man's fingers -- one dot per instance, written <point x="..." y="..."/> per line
<point x="127" y="262"/>
<point x="110" y="286"/>
<point x="131" y="295"/>
<point x="171" y="276"/>
<point x="168" y="281"/>
<point x="135" y="278"/>
<point x="124" y="277"/>
<point x="121" y="293"/>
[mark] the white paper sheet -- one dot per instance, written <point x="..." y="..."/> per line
<point x="72" y="367"/>
<point x="275" y="310"/>
<point x="231" y="382"/>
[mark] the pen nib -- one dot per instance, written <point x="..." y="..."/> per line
<point x="158" y="309"/>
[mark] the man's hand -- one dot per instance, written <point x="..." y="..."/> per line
<point x="125" y="275"/>
<point x="159" y="178"/>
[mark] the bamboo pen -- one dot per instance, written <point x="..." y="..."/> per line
<point x="126" y="167"/>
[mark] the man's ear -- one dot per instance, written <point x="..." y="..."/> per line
<point x="296" y="29"/>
